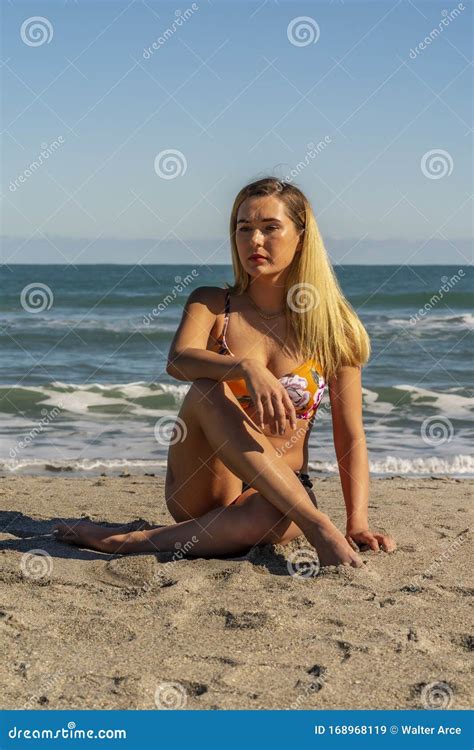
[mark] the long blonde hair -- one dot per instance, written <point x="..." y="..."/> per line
<point x="326" y="327"/>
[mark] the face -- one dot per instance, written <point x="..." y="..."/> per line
<point x="264" y="228"/>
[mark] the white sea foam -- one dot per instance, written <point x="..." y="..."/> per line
<point x="427" y="466"/>
<point x="457" y="465"/>
<point x="449" y="404"/>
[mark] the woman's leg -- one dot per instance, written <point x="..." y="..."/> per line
<point x="248" y="454"/>
<point x="249" y="521"/>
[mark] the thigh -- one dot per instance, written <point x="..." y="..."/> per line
<point x="197" y="481"/>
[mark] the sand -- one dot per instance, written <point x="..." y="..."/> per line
<point x="86" y="630"/>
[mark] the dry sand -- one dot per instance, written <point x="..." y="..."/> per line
<point x="100" y="631"/>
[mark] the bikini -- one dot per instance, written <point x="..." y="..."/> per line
<point x="305" y="386"/>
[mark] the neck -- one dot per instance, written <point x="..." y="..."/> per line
<point x="270" y="297"/>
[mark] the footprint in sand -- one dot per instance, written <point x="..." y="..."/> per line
<point x="245" y="620"/>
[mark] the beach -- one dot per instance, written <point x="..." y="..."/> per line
<point x="86" y="630"/>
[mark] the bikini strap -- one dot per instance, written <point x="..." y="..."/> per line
<point x="226" y="313"/>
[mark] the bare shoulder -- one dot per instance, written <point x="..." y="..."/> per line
<point x="211" y="297"/>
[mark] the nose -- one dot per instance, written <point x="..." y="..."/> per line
<point x="255" y="237"/>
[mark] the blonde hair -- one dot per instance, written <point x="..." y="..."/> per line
<point x="325" y="326"/>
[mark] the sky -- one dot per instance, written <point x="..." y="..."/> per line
<point x="129" y="127"/>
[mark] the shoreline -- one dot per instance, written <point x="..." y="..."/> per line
<point x="235" y="633"/>
<point x="50" y="469"/>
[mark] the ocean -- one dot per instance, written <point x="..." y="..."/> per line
<point x="83" y="382"/>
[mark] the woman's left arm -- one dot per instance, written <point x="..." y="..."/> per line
<point x="345" y="391"/>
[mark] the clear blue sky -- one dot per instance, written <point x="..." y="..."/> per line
<point x="232" y="93"/>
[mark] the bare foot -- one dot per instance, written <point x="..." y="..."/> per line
<point x="94" y="536"/>
<point x="331" y="545"/>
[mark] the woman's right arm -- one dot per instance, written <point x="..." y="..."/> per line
<point x="188" y="358"/>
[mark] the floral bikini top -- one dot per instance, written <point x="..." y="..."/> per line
<point x="305" y="386"/>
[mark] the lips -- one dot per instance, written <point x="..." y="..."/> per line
<point x="256" y="256"/>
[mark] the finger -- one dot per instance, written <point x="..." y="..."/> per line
<point x="280" y="416"/>
<point x="373" y="543"/>
<point x="260" y="412"/>
<point x="352" y="543"/>
<point x="290" y="408"/>
<point x="356" y="562"/>
<point x="386" y="542"/>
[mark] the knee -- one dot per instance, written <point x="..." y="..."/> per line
<point x="206" y="393"/>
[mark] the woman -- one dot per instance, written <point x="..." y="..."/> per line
<point x="259" y="355"/>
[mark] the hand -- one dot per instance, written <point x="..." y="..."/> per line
<point x="272" y="402"/>
<point x="363" y="537"/>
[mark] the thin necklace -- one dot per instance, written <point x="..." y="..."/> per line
<point x="262" y="314"/>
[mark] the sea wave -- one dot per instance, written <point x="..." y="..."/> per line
<point x="461" y="464"/>
<point x="457" y="465"/>
<point x="142" y="399"/>
<point x="138" y="399"/>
